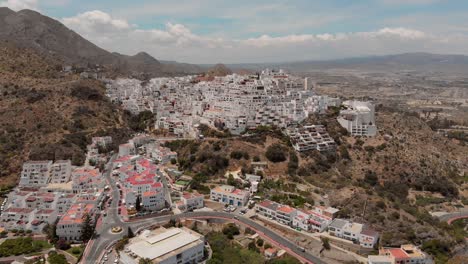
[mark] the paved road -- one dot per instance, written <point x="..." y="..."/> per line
<point x="449" y="218"/>
<point x="105" y="240"/>
<point x="282" y="242"/>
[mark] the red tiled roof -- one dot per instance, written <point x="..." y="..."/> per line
<point x="286" y="209"/>
<point x="398" y="253"/>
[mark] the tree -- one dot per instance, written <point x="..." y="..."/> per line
<point x="325" y="243"/>
<point x="251" y="246"/>
<point x="276" y="153"/>
<point x="120" y="245"/>
<point x="130" y="233"/>
<point x="236" y="155"/>
<point x="87" y="228"/>
<point x="62" y="244"/>
<point x="50" y="231"/>
<point x="231" y="180"/>
<point x="145" y="261"/>
<point x="231" y="230"/>
<point x="260" y="242"/>
<point x="138" y="203"/>
<point x="55" y="258"/>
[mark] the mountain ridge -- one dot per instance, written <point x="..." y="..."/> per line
<point x="30" y="29"/>
<point x="412" y="61"/>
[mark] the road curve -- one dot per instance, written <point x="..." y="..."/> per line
<point x="449" y="218"/>
<point x="280" y="241"/>
<point x="101" y="243"/>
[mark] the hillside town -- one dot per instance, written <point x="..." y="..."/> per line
<point x="141" y="179"/>
<point x="233" y="102"/>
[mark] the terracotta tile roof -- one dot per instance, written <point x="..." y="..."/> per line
<point x="398" y="253"/>
<point x="286" y="209"/>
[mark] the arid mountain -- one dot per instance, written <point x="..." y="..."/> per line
<point x="219" y="70"/>
<point x="423" y="62"/>
<point x="30" y="29"/>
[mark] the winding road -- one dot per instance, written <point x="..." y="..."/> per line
<point x="450" y="217"/>
<point x="105" y="239"/>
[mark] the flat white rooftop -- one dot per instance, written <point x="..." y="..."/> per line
<point x="157" y="244"/>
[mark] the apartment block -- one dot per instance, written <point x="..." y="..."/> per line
<point x="35" y="173"/>
<point x="192" y="201"/>
<point x="354" y="232"/>
<point x="70" y="225"/>
<point x="358" y="118"/>
<point x="61" y="171"/>
<point x="311" y="137"/>
<point x="229" y="195"/>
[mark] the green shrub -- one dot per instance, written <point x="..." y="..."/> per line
<point x="276" y="153"/>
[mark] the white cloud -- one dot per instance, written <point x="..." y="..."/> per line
<point x="178" y="42"/>
<point x="409" y="2"/>
<point x="17" y="5"/>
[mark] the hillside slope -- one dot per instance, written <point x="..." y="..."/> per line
<point x="44" y="115"/>
<point x="49" y="37"/>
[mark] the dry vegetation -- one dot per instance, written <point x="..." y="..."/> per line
<point x="46" y="115"/>
<point x="391" y="181"/>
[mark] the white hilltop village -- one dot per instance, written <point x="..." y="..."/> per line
<point x="236" y="102"/>
<point x="142" y="178"/>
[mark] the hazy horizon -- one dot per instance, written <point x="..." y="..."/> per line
<point x="209" y="32"/>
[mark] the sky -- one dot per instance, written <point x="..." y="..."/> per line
<point x="255" y="31"/>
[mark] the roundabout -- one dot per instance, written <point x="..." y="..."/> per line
<point x="116" y="229"/>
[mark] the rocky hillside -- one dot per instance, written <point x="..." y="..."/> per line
<point x="219" y="70"/>
<point x="49" y="37"/>
<point x="390" y="182"/>
<point x="46" y="115"/>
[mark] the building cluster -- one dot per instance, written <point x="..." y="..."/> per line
<point x="148" y="147"/>
<point x="140" y="181"/>
<point x="234" y="102"/>
<point x="97" y="147"/>
<point x="404" y="254"/>
<point x="229" y="195"/>
<point x="165" y="246"/>
<point x="190" y="201"/>
<point x="40" y="173"/>
<point x="310" y="137"/>
<point x="355" y="232"/>
<point x="318" y="219"/>
<point x="358" y="118"/>
<point x="54" y="192"/>
<point x="142" y="166"/>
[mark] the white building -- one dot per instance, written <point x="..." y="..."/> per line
<point x="70" y="225"/>
<point x="192" y="201"/>
<point x="127" y="149"/>
<point x="267" y="208"/>
<point x="354" y="232"/>
<point x="229" y="195"/>
<point x="404" y="254"/>
<point x="312" y="137"/>
<point x="166" y="246"/>
<point x="358" y="118"/>
<point x="153" y="200"/>
<point x="35" y="173"/>
<point x="253" y="178"/>
<point x="162" y="154"/>
<point x="61" y="171"/>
